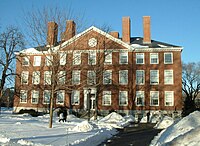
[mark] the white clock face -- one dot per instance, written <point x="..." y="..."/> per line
<point x="92" y="42"/>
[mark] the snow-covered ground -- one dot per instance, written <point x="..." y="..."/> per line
<point x="17" y="130"/>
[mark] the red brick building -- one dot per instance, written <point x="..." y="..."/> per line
<point x="127" y="74"/>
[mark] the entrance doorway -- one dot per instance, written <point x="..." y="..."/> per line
<point x="89" y="102"/>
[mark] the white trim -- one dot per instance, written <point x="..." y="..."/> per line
<point x="157" y="75"/>
<point x="157" y="92"/>
<point x="172" y="97"/>
<point x="137" y="58"/>
<point x="171" y="57"/>
<point x="151" y="58"/>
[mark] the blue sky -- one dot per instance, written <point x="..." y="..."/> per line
<point x="172" y="21"/>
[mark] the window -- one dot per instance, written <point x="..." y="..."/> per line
<point x="37" y="61"/>
<point x="139" y="58"/>
<point x="60" y="97"/>
<point x="154" y="98"/>
<point x="169" y="98"/>
<point x="61" y="77"/>
<point x="47" y="95"/>
<point x="140" y="78"/>
<point x="76" y="77"/>
<point x="123" y="98"/>
<point x="154" y="58"/>
<point x="35" y="97"/>
<point x="123" y="77"/>
<point x="77" y="58"/>
<point x="107" y="77"/>
<point x="108" y="57"/>
<point x="75" y="97"/>
<point x="139" y="98"/>
<point x="36" y="77"/>
<point x="63" y="57"/>
<point x="24" y="77"/>
<point x="47" y="77"/>
<point x="92" y="58"/>
<point x="25" y="61"/>
<point x="168" y="77"/>
<point x="91" y="78"/>
<point x="123" y="58"/>
<point x="154" y="77"/>
<point x="23" y="96"/>
<point x="48" y="60"/>
<point x="106" y="101"/>
<point x="168" y="58"/>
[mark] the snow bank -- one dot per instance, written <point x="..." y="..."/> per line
<point x="3" y="139"/>
<point x="187" y="130"/>
<point x="164" y="122"/>
<point x="83" y="127"/>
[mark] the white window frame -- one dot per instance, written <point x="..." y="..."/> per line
<point x="140" y="94"/>
<point x="92" y="57"/>
<point x="165" y="62"/>
<point x="77" y="58"/>
<point x="75" y="97"/>
<point x="123" y="94"/>
<point x="123" y="58"/>
<point x="35" y="96"/>
<point x="37" y="61"/>
<point x="48" y="60"/>
<point x="36" y="77"/>
<point x="140" y="56"/>
<point x="169" y="99"/>
<point x="61" y="77"/>
<point x="46" y="92"/>
<point x="63" y="57"/>
<point x="62" y="93"/>
<point x="152" y="78"/>
<point x="23" y="96"/>
<point x="154" y="95"/>
<point x="47" y="77"/>
<point x="154" y="56"/>
<point x="107" y="98"/>
<point x="140" y="77"/>
<point x="123" y="75"/>
<point x="168" y="77"/>
<point x="25" y="61"/>
<point x="76" y="77"/>
<point x="24" y="77"/>
<point x="91" y="77"/>
<point x="107" y="77"/>
<point x="108" y="57"/>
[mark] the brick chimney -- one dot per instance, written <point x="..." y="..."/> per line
<point x="70" y="30"/>
<point x="126" y="30"/>
<point x="147" y="29"/>
<point x="114" y="34"/>
<point x="52" y="33"/>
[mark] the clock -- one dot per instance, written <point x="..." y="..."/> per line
<point x="92" y="42"/>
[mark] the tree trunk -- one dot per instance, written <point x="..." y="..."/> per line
<point x="51" y="111"/>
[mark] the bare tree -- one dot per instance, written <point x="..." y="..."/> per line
<point x="11" y="40"/>
<point x="190" y="86"/>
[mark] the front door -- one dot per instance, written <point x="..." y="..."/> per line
<point x="89" y="102"/>
<point x="92" y="102"/>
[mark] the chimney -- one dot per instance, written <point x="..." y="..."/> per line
<point x="126" y="30"/>
<point x="146" y="29"/>
<point x="70" y="30"/>
<point x="114" y="34"/>
<point x="52" y="33"/>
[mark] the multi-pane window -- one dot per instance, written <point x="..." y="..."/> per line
<point x="139" y="58"/>
<point x="76" y="77"/>
<point x="47" y="77"/>
<point x="123" y="77"/>
<point x="36" y="77"/>
<point x="154" y="77"/>
<point x="60" y="97"/>
<point x="34" y="96"/>
<point x="169" y="98"/>
<point x="123" y="98"/>
<point x="123" y="58"/>
<point x="63" y="57"/>
<point x="46" y="96"/>
<point x="48" y="60"/>
<point x="108" y="57"/>
<point x="25" y="61"/>
<point x="75" y="97"/>
<point x="61" y="77"/>
<point x="168" y="77"/>
<point x="139" y="98"/>
<point x="154" y="98"/>
<point x="168" y="58"/>
<point x="77" y="58"/>
<point x="106" y="101"/>
<point x="37" y="61"/>
<point x="140" y="77"/>
<point x="24" y="77"/>
<point x="92" y="58"/>
<point x="91" y="78"/>
<point x="23" y="96"/>
<point x="107" y="77"/>
<point x="154" y="58"/>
